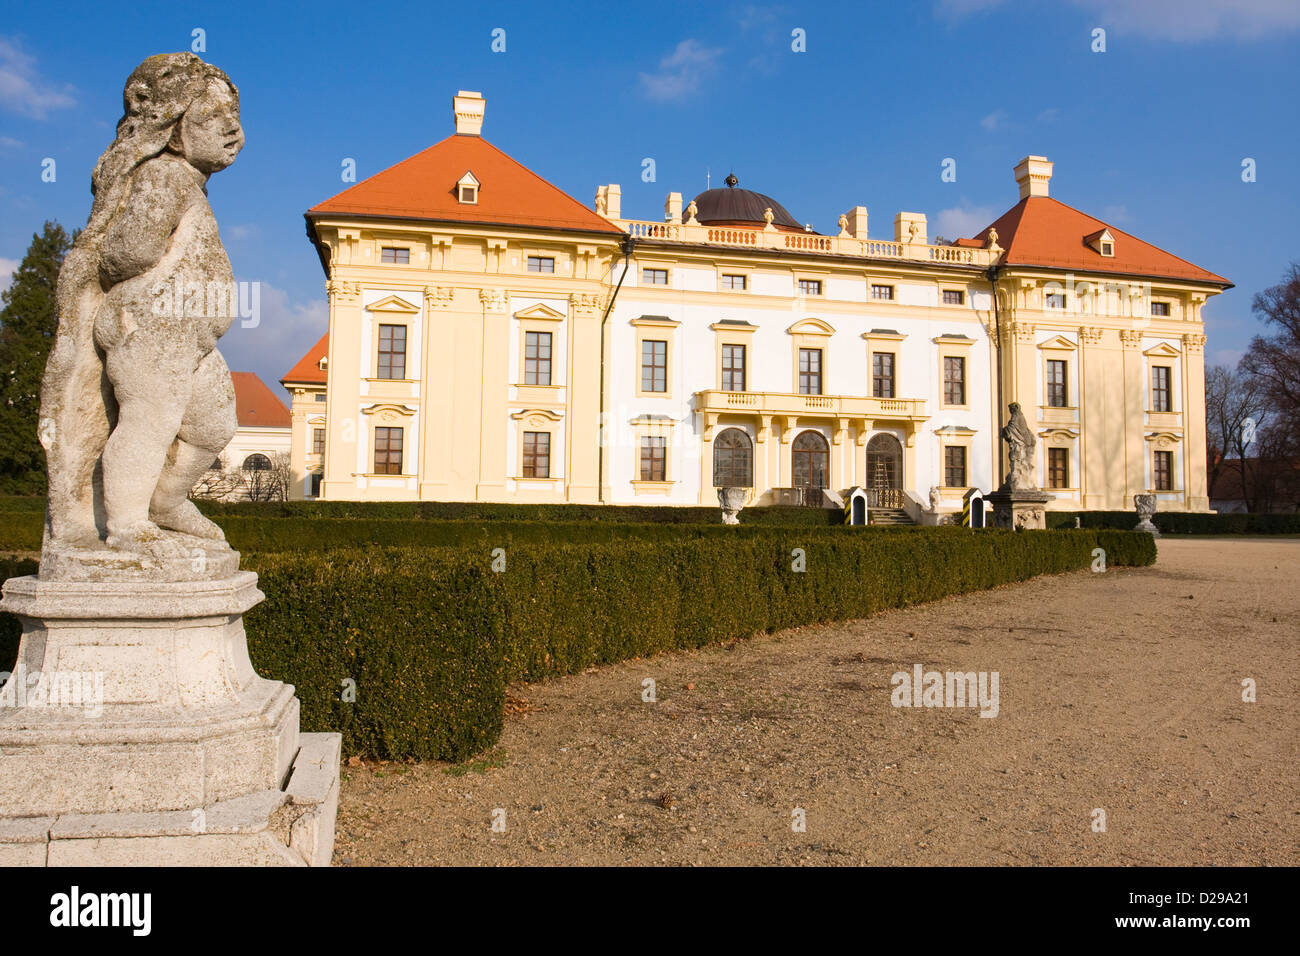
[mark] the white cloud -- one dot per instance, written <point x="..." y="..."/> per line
<point x="1049" y="115"/>
<point x="22" y="90"/>
<point x="964" y="221"/>
<point x="285" y="331"/>
<point x="244" y="231"/>
<point x="1181" y="21"/>
<point x="8" y="142"/>
<point x="994" y="120"/>
<point x="680" y="72"/>
<point x="7" y="267"/>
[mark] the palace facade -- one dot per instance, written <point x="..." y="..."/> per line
<point x="491" y="338"/>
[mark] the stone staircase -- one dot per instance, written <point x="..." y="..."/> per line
<point x="888" y="516"/>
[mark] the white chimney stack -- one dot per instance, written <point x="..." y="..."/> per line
<point x="468" y="108"/>
<point x="1033" y="174"/>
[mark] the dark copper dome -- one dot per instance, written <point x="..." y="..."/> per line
<point x="735" y="207"/>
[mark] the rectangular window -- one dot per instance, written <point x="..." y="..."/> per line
<point x="953" y="297"/>
<point x="537" y="454"/>
<point x="315" y="485"/>
<point x="318" y="441"/>
<point x="392" y="255"/>
<point x="654" y="366"/>
<point x="1055" y="300"/>
<point x="1058" y="468"/>
<point x="810" y="371"/>
<point x="954" y="380"/>
<point x="1057" y="394"/>
<point x="1164" y="470"/>
<point x="1160" y="308"/>
<point x="882" y="292"/>
<point x="882" y="374"/>
<point x="541" y="264"/>
<point x="733" y="368"/>
<point x="654" y="276"/>
<point x="392" y="352"/>
<point x="954" y="466"/>
<point x="319" y="396"/>
<point x="537" y="358"/>
<point x="734" y="282"/>
<point x="1160" y="388"/>
<point x="388" y="451"/>
<point x="810" y="286"/>
<point x="654" y="453"/>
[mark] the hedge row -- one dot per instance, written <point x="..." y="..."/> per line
<point x="431" y="635"/>
<point x="1181" y="522"/>
<point x="10" y="630"/>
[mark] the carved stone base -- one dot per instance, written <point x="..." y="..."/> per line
<point x="1021" y="510"/>
<point x="133" y="699"/>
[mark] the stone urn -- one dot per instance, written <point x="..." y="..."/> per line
<point x="1146" y="507"/>
<point x="732" y="500"/>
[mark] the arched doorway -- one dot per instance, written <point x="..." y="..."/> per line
<point x="810" y="464"/>
<point x="733" y="460"/>
<point x="885" y="472"/>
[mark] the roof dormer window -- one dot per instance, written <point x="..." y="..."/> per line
<point x="1102" y="242"/>
<point x="467" y="189"/>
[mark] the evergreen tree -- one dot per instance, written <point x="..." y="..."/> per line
<point x="27" y="325"/>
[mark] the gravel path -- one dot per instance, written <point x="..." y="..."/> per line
<point x="1119" y="691"/>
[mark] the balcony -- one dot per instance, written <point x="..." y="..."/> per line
<point x="789" y="404"/>
<point x="737" y="236"/>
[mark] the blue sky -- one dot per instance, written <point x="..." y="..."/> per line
<point x="1149" y="135"/>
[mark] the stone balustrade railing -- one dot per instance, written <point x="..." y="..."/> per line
<point x="808" y="242"/>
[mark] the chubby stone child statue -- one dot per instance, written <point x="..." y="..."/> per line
<point x="137" y="402"/>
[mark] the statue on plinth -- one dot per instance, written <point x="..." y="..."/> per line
<point x="137" y="402"/>
<point x="137" y="588"/>
<point x="1019" y="503"/>
<point x="1146" y="509"/>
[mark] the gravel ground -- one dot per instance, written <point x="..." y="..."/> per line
<point x="1119" y="691"/>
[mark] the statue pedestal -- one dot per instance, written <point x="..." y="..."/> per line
<point x="1019" y="509"/>
<point x="134" y="730"/>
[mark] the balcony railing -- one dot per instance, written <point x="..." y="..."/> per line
<point x="831" y="406"/>
<point x="808" y="242"/>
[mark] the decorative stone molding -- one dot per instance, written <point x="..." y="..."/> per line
<point x="493" y="300"/>
<point x="587" y="302"/>
<point x="440" y="297"/>
<point x="342" y="291"/>
<point x="1090" y="335"/>
<point x="1194" y="342"/>
<point x="1131" y="338"/>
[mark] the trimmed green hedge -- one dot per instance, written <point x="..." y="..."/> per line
<point x="431" y="635"/>
<point x="1181" y="522"/>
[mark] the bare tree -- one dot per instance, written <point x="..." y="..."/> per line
<point x="267" y="478"/>
<point x="1234" y="415"/>
<point x="218" y="483"/>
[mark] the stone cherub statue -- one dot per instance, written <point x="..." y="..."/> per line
<point x="1020" y="450"/>
<point x="136" y="401"/>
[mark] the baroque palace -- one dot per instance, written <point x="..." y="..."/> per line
<point x="491" y="338"/>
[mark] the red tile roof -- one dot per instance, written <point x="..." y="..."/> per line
<point x="1041" y="231"/>
<point x="308" y="370"/>
<point x="424" y="187"/>
<point x="255" y="404"/>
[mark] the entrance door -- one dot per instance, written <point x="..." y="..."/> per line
<point x="811" y="461"/>
<point x="885" y="472"/>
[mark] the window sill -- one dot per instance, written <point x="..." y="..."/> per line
<point x="643" y="486"/>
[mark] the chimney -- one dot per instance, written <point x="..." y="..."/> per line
<point x="910" y="227"/>
<point x="1033" y="173"/>
<point x="468" y="108"/>
<point x="857" y="217"/>
<point x="673" y="208"/>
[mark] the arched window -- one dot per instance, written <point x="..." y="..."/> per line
<point x="811" y="458"/>
<point x="733" y="460"/>
<point x="256" y="462"/>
